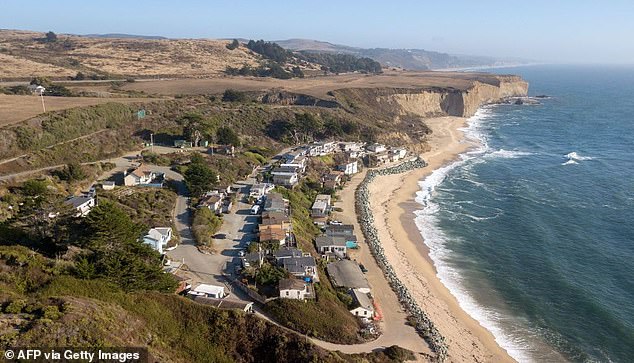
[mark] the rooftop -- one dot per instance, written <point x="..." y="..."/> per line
<point x="292" y="284"/>
<point x="78" y="201"/>
<point x="324" y="241"/>
<point x="346" y="273"/>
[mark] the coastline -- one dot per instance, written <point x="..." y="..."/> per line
<point x="392" y="201"/>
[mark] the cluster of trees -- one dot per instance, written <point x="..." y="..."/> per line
<point x="231" y="95"/>
<point x="233" y="45"/>
<point x="341" y="63"/>
<point x="199" y="177"/>
<point x="269" y="69"/>
<point x="306" y="127"/>
<point x="227" y="136"/>
<point x="270" y="50"/>
<point x="204" y="226"/>
<point x="71" y="173"/>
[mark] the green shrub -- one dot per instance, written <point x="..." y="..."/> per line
<point x="15" y="307"/>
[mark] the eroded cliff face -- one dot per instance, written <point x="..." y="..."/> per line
<point x="434" y="101"/>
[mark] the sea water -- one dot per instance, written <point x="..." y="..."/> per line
<point x="533" y="231"/>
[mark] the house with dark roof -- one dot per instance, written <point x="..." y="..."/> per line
<point x="83" y="204"/>
<point x="295" y="289"/>
<point x="363" y="306"/>
<point x="303" y="267"/>
<point x="331" y="246"/>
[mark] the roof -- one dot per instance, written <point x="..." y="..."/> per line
<point x="323" y="241"/>
<point x="274" y="217"/>
<point x="141" y="171"/>
<point x="298" y="264"/>
<point x="320" y="205"/>
<point x="77" y="202"/>
<point x="346" y="273"/>
<point x="211" y="199"/>
<point x="275" y="202"/>
<point x="210" y="289"/>
<point x="165" y="231"/>
<point x="362" y="299"/>
<point x="272" y="232"/>
<point x="108" y="182"/>
<point x="292" y="284"/>
<point x="287" y="252"/>
<point x="338" y="230"/>
<point x="284" y="169"/>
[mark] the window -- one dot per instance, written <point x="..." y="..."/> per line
<point x="286" y="292"/>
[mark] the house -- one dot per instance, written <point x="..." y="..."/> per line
<point x="276" y="218"/>
<point x="331" y="246"/>
<point x="143" y="176"/>
<point x="332" y="179"/>
<point x="398" y="152"/>
<point x="294" y="289"/>
<point x="321" y="148"/>
<point x="344" y="230"/>
<point x="227" y="204"/>
<point x="348" y="274"/>
<point x="205" y="290"/>
<point x="283" y="253"/>
<point x="376" y="148"/>
<point x="213" y="201"/>
<point x="83" y="204"/>
<point x="225" y="304"/>
<point x="272" y="233"/>
<point x="292" y="156"/>
<point x="275" y="203"/>
<point x="259" y="190"/>
<point x="253" y="258"/>
<point x="36" y="89"/>
<point x="363" y="307"/>
<point x="286" y="180"/>
<point x="108" y="185"/>
<point x="350" y="167"/>
<point x="299" y="163"/>
<point x="285" y="170"/>
<point x="350" y="146"/>
<point x="158" y="237"/>
<point x="321" y="206"/>
<point x="303" y="267"/>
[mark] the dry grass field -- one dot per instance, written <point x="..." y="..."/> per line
<point x="18" y="108"/>
<point x="314" y="86"/>
<point x="114" y="56"/>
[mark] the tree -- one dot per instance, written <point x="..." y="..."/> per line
<point x="51" y="37"/>
<point x="71" y="172"/>
<point x="41" y="81"/>
<point x="118" y="255"/>
<point x="233" y="45"/>
<point x="199" y="178"/>
<point x="227" y="136"/>
<point x="232" y="95"/>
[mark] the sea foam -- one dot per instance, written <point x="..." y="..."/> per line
<point x="427" y="222"/>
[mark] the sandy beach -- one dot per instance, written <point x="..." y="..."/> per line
<point x="392" y="203"/>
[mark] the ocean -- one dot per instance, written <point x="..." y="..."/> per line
<point x="533" y="231"/>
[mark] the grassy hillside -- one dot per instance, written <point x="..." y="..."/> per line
<point x="41" y="306"/>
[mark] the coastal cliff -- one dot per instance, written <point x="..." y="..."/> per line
<point x="434" y="101"/>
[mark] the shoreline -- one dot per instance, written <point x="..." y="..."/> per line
<point x="392" y="201"/>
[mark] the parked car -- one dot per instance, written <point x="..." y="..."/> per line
<point x="363" y="269"/>
<point x="255" y="209"/>
<point x="336" y="223"/>
<point x="241" y="253"/>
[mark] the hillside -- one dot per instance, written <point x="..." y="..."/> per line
<point x="24" y="54"/>
<point x="411" y="59"/>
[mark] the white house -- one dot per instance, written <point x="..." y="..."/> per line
<point x="363" y="305"/>
<point x="350" y="146"/>
<point x="36" y="89"/>
<point x="287" y="180"/>
<point x="331" y="246"/>
<point x="143" y="176"/>
<point x="108" y="185"/>
<point x="213" y="201"/>
<point x="158" y="237"/>
<point x="206" y="290"/>
<point x="321" y="206"/>
<point x="293" y="289"/>
<point x="83" y="204"/>
<point x="259" y="190"/>
<point x="349" y="168"/>
<point x="376" y="148"/>
<point x="299" y="163"/>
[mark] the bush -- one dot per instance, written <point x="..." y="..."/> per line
<point x="71" y="173"/>
<point x="15" y="307"/>
<point x="227" y="136"/>
<point x="51" y="312"/>
<point x="204" y="226"/>
<point x="233" y="45"/>
<point x="232" y="95"/>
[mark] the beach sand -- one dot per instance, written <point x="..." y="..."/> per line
<point x="393" y="204"/>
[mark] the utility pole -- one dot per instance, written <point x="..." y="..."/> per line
<point x="42" y="97"/>
<point x="152" y="142"/>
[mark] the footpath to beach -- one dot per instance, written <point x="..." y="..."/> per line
<point x="391" y="200"/>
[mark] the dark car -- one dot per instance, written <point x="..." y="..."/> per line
<point x="363" y="269"/>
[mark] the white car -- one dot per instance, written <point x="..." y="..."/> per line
<point x="241" y="253"/>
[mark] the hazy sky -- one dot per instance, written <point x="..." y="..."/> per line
<point x="555" y="30"/>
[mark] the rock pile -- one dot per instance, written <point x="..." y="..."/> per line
<point x="422" y="322"/>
